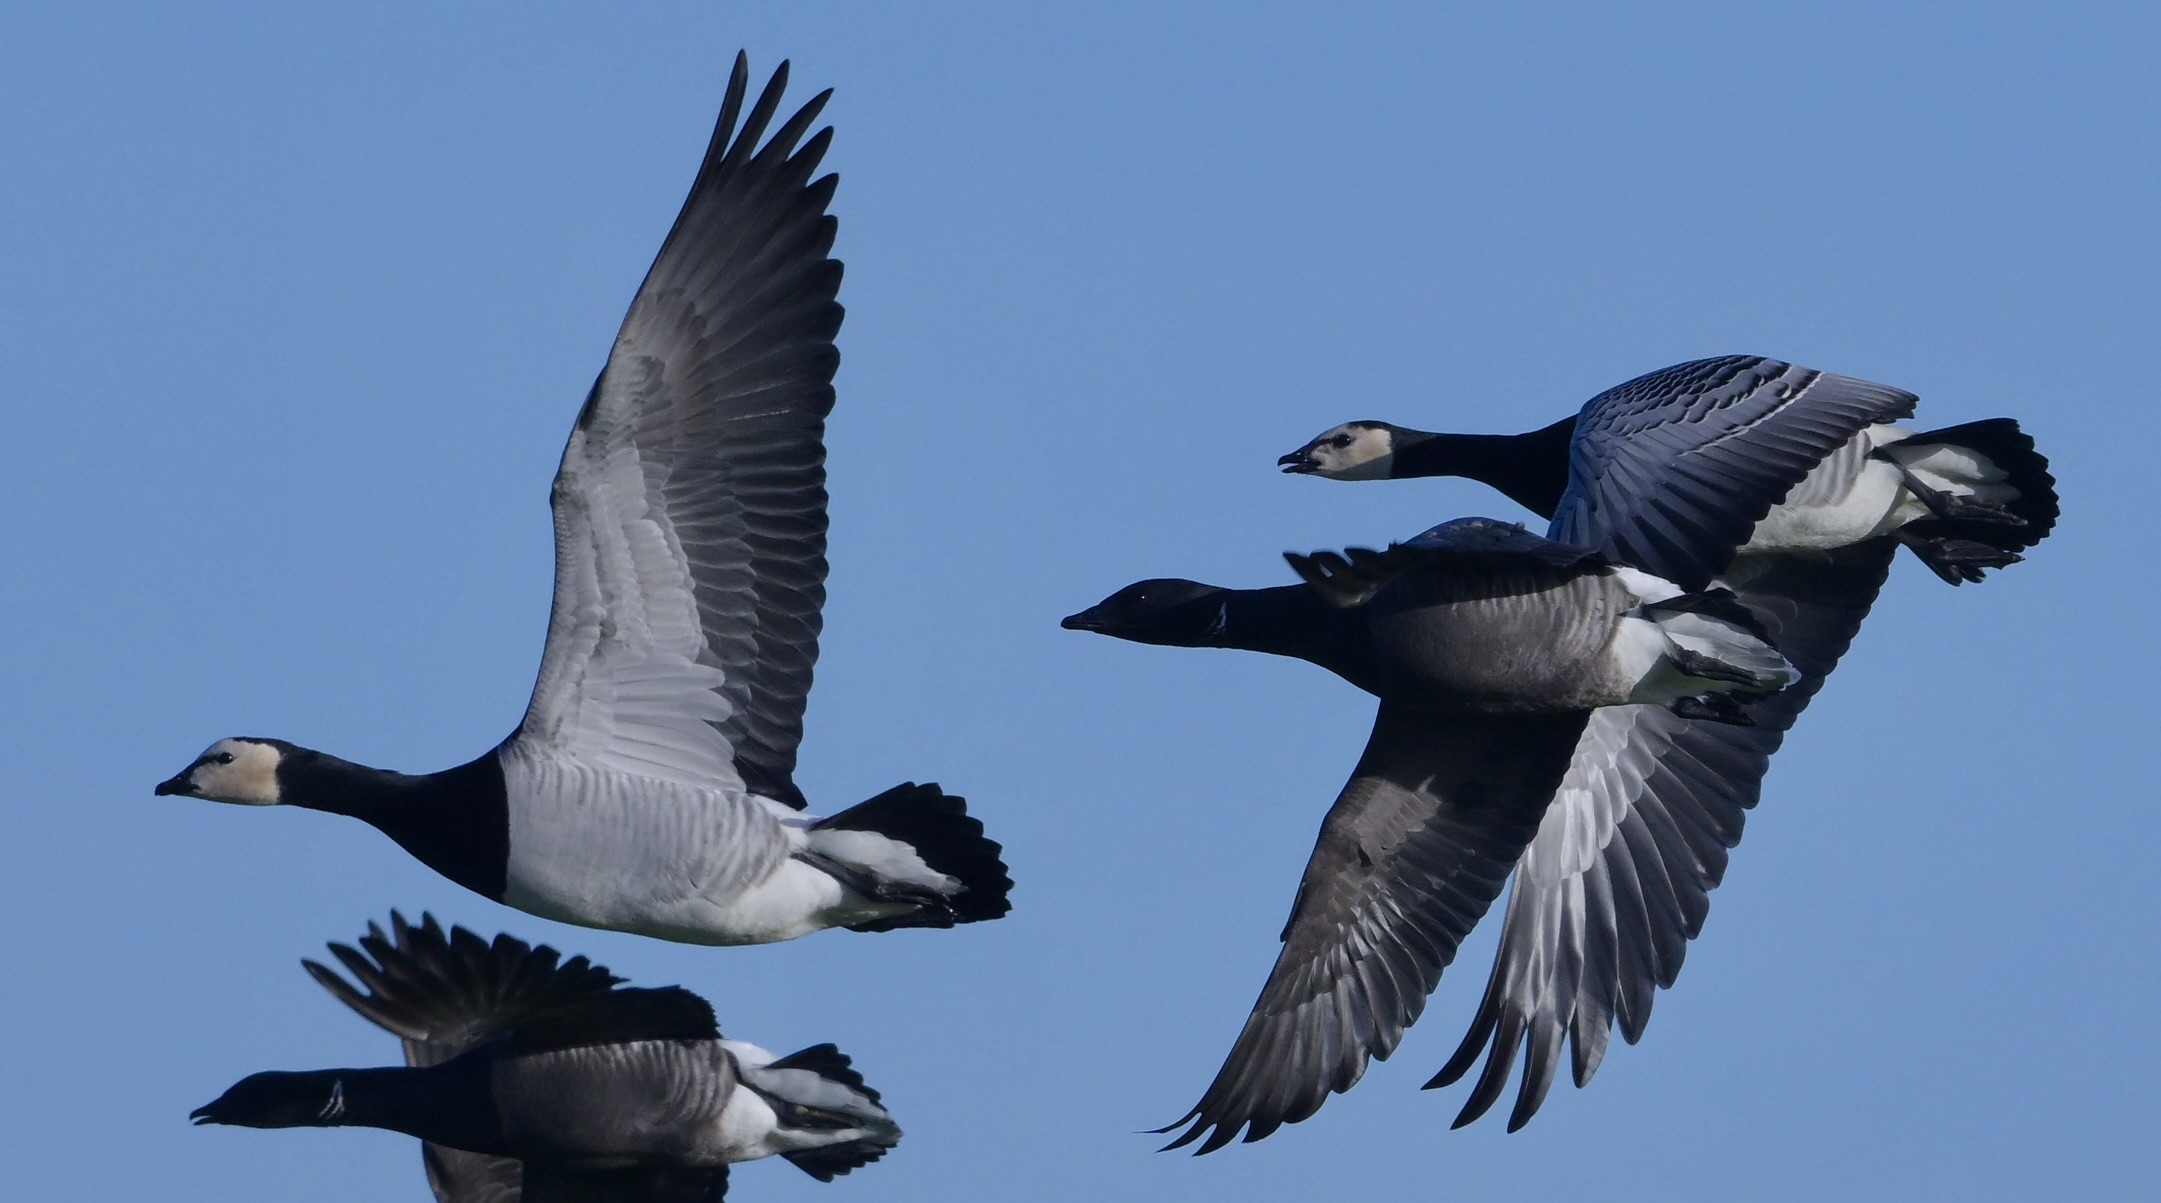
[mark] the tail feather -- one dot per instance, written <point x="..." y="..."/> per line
<point x="817" y="1093"/>
<point x="832" y="1161"/>
<point x="828" y="1062"/>
<point x="931" y="828"/>
<point x="1994" y="460"/>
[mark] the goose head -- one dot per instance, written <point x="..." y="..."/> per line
<point x="240" y="771"/>
<point x="278" y="1099"/>
<point x="1172" y="613"/>
<point x="1352" y="451"/>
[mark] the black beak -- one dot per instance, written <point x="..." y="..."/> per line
<point x="1086" y="620"/>
<point x="176" y="785"/>
<point x="1298" y="461"/>
<point x="203" y="1115"/>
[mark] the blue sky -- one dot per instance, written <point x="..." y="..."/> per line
<point x="296" y="308"/>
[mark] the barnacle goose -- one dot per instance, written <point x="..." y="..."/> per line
<point x="531" y="1077"/>
<point x="650" y="787"/>
<point x="1790" y="486"/>
<point x="1490" y="649"/>
<point x="1964" y="498"/>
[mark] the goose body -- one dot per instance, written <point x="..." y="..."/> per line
<point x="1490" y="650"/>
<point x="1472" y="616"/>
<point x="650" y="787"/>
<point x="527" y="1072"/>
<point x="1794" y="489"/>
<point x="1797" y="460"/>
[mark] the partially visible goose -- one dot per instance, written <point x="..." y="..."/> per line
<point x="651" y="786"/>
<point x="1964" y="498"/>
<point x="1803" y="473"/>
<point x="530" y="1076"/>
<point x="1489" y="648"/>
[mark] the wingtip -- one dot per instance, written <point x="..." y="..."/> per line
<point x="1198" y="1124"/>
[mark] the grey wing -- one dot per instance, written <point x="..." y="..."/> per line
<point x="1410" y="856"/>
<point x="1670" y="471"/>
<point x="1619" y="877"/>
<point x="690" y="506"/>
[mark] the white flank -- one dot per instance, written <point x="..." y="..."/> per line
<point x="1643" y="586"/>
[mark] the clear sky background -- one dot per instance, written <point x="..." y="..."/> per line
<point x="296" y="308"/>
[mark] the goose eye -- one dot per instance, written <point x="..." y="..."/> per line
<point x="222" y="758"/>
<point x="1341" y="440"/>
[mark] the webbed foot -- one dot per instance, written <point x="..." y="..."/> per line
<point x="1709" y="668"/>
<point x="1957" y="561"/>
<point x="1714" y="708"/>
<point x="1951" y="505"/>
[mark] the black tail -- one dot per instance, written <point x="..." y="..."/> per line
<point x="936" y="824"/>
<point x="2002" y="443"/>
<point x="832" y="1161"/>
<point x="828" y="1062"/>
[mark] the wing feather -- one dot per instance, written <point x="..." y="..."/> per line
<point x="690" y="508"/>
<point x="1671" y="470"/>
<point x="1411" y="855"/>
<point x="1619" y="877"/>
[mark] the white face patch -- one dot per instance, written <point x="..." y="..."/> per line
<point x="1352" y="451"/>
<point x="240" y="771"/>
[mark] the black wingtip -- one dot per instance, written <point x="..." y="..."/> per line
<point x="1194" y="1124"/>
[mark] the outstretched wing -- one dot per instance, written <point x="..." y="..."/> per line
<point x="690" y="507"/>
<point x="1411" y="855"/>
<point x="1670" y="471"/>
<point x="1619" y="877"/>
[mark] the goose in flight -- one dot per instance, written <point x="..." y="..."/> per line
<point x="1792" y="487"/>
<point x="1965" y="498"/>
<point x="533" y="1078"/>
<point x="650" y="787"/>
<point x="1489" y="648"/>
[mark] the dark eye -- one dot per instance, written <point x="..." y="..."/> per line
<point x="1341" y="440"/>
<point x="222" y="758"/>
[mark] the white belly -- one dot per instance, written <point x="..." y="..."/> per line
<point x="659" y="858"/>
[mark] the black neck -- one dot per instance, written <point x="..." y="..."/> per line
<point x="457" y="822"/>
<point x="1532" y="469"/>
<point x="1289" y="620"/>
<point x="449" y="1103"/>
